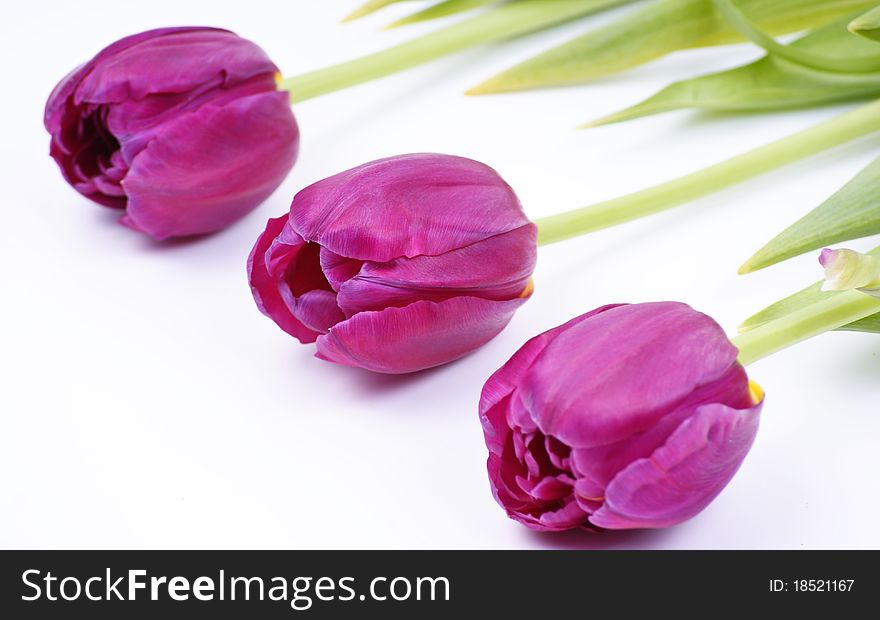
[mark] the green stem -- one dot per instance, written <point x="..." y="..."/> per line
<point x="797" y="146"/>
<point x="506" y="21"/>
<point x="836" y="311"/>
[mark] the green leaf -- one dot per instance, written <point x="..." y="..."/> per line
<point x="807" y="297"/>
<point x="506" y="21"/>
<point x="771" y="83"/>
<point x="370" y="6"/>
<point x="852" y="63"/>
<point x="867" y="25"/>
<point x="441" y="9"/>
<point x="850" y="213"/>
<point x="657" y="29"/>
<point x="869" y="325"/>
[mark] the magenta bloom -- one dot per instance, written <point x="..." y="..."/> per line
<point x="398" y="265"/>
<point x="182" y="128"/>
<point x="630" y="416"/>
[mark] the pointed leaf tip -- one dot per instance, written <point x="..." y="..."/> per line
<point x="850" y="213"/>
<point x="608" y="119"/>
<point x="489" y="87"/>
<point x="444" y="8"/>
<point x="745" y="269"/>
<point x="370" y="6"/>
<point x="649" y="107"/>
<point x="867" y="25"/>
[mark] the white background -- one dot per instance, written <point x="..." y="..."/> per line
<point x="147" y="403"/>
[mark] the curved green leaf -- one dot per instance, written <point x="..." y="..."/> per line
<point x="851" y="63"/>
<point x="852" y="212"/>
<point x="656" y="29"/>
<point x="771" y="83"/>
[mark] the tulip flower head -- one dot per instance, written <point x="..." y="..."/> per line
<point x="182" y="128"/>
<point x="397" y="265"/>
<point x="629" y="416"/>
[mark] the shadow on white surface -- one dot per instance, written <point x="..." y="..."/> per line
<point x="578" y="540"/>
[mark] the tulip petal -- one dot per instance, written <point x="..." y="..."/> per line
<point x="338" y="269"/>
<point x="185" y="58"/>
<point x="552" y="489"/>
<point x="296" y="265"/>
<point x="496" y="268"/>
<point x="500" y="411"/>
<point x="317" y="310"/>
<point x="87" y="154"/>
<point x="568" y="516"/>
<point x="503" y="382"/>
<point x="265" y="288"/>
<point x="406" y="206"/>
<point x="134" y="123"/>
<point x="551" y="515"/>
<point x="212" y="166"/>
<point x="681" y="477"/>
<point x="61" y="96"/>
<point x="596" y="467"/>
<point x="624" y="369"/>
<point x="418" y="336"/>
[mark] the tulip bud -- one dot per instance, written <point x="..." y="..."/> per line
<point x="848" y="269"/>
<point x="182" y="128"/>
<point x="630" y="416"/>
<point x="397" y="265"/>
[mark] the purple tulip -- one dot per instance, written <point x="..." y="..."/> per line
<point x="397" y="265"/>
<point x="630" y="416"/>
<point x="182" y="128"/>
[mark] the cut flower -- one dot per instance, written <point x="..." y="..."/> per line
<point x="397" y="265"/>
